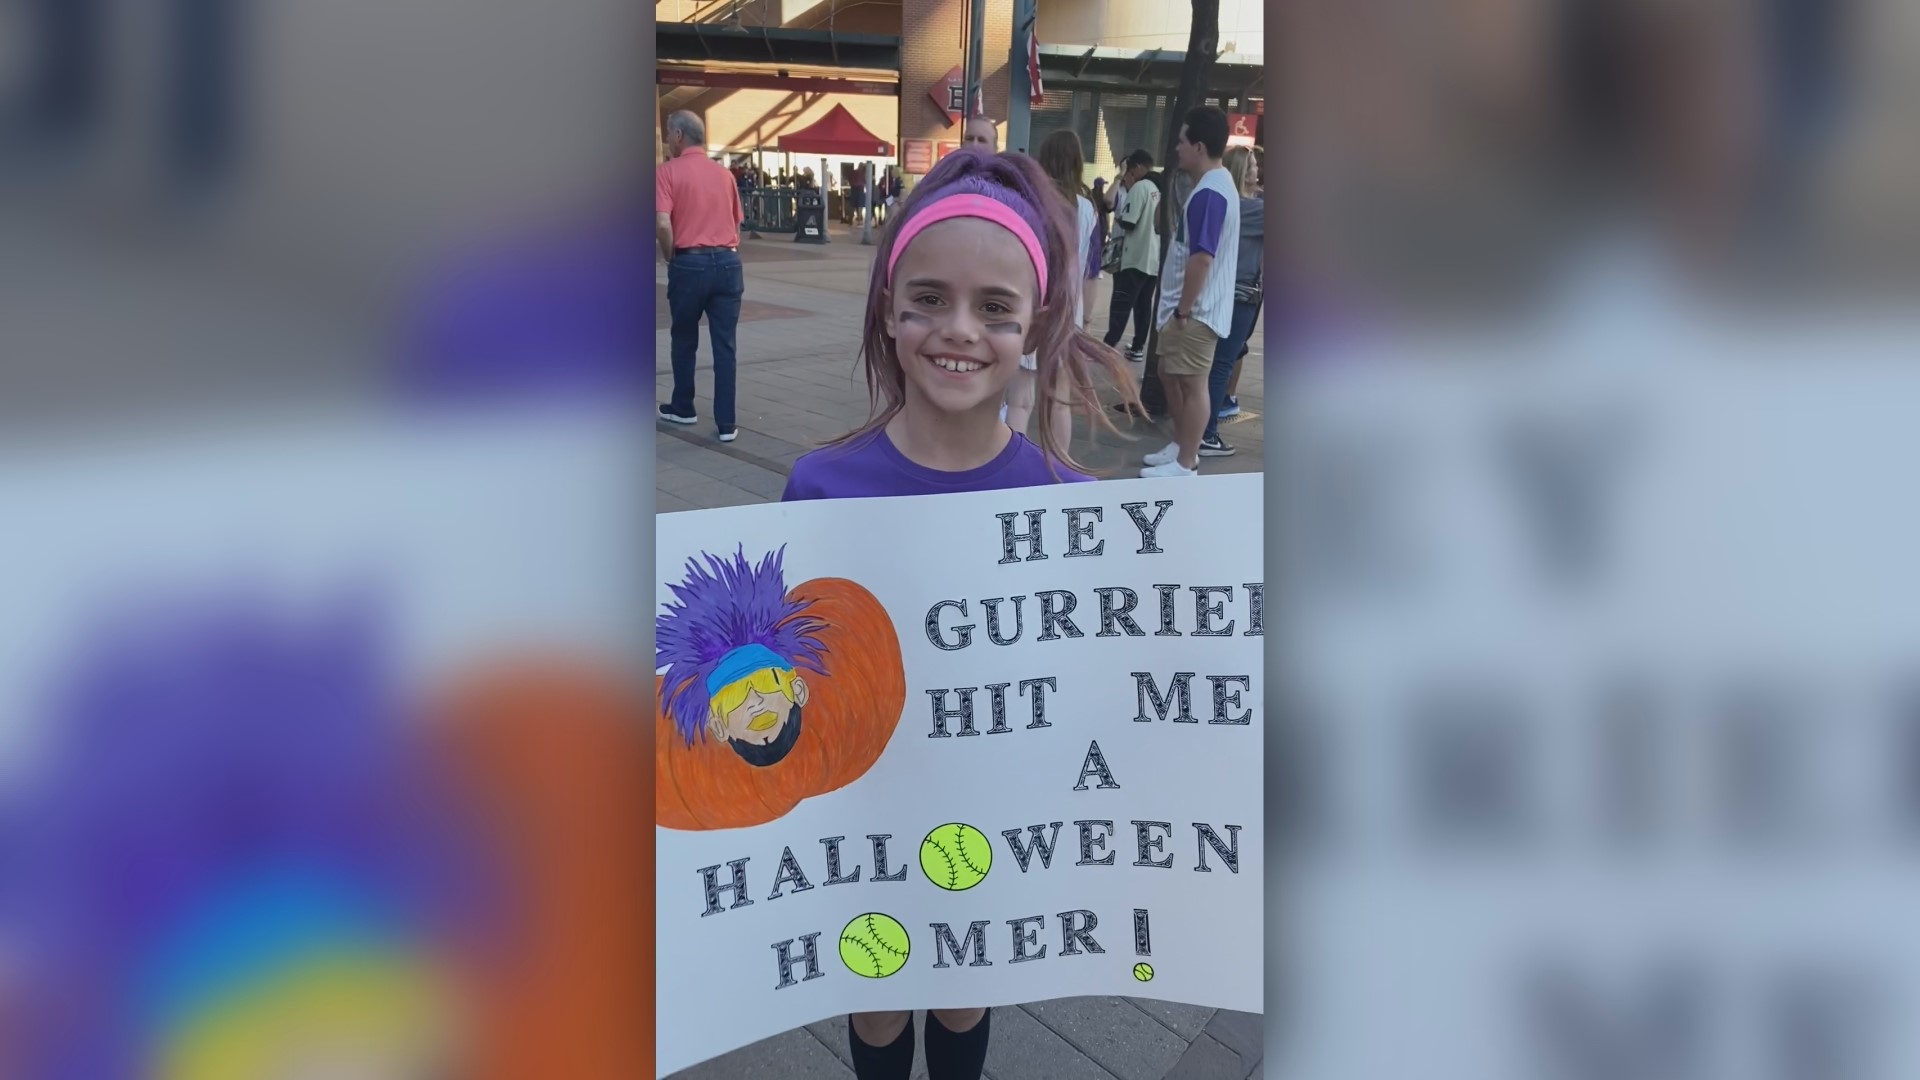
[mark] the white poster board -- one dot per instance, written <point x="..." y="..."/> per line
<point x="1008" y="685"/>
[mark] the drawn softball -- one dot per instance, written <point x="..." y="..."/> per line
<point x="874" y="946"/>
<point x="956" y="857"/>
<point x="1143" y="972"/>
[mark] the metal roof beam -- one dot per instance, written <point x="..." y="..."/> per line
<point x="1166" y="56"/>
<point x="688" y="42"/>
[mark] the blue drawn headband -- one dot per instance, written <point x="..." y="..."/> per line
<point x="741" y="663"/>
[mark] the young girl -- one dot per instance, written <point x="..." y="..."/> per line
<point x="978" y="267"/>
<point x="975" y="268"/>
<point x="1060" y="158"/>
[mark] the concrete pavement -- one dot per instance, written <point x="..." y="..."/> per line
<point x="1092" y="1038"/>
<point x="799" y="385"/>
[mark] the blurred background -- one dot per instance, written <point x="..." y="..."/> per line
<point x="320" y="329"/>
<point x="1594" y="371"/>
<point x="208" y="201"/>
<point x="1455" y="155"/>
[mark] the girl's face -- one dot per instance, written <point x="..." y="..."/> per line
<point x="961" y="311"/>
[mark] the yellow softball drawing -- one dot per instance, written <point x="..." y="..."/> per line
<point x="874" y="945"/>
<point x="956" y="857"/>
<point x="1143" y="972"/>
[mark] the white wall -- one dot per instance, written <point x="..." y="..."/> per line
<point x="1147" y="24"/>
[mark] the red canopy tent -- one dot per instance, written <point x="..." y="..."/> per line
<point x="836" y="133"/>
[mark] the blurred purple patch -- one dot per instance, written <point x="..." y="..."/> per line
<point x="567" y="313"/>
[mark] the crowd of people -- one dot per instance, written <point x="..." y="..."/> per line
<point x="752" y="178"/>
<point x="889" y="184"/>
<point x="1192" y="276"/>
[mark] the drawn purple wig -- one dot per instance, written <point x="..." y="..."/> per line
<point x="720" y="607"/>
<point x="191" y="751"/>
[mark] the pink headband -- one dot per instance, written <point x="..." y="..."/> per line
<point x="976" y="206"/>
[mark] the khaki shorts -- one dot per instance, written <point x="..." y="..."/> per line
<point x="1187" y="350"/>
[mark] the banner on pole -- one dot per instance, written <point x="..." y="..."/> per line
<point x="979" y="749"/>
<point x="1036" y="93"/>
<point x="949" y="94"/>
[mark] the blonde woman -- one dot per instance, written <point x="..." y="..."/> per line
<point x="1060" y="158"/>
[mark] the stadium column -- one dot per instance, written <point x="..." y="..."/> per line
<point x="1019" y="111"/>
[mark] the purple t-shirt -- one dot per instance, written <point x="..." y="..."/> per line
<point x="1206" y="219"/>
<point x="872" y="466"/>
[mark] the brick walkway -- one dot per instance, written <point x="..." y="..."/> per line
<point x="798" y="386"/>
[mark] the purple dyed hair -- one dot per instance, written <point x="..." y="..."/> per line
<point x="191" y="748"/>
<point x="720" y="607"/>
<point x="1069" y="358"/>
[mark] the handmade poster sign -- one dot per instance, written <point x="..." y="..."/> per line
<point x="958" y="751"/>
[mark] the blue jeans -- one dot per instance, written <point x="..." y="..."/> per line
<point x="706" y="283"/>
<point x="1224" y="354"/>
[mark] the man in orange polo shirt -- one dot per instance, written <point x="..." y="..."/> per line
<point x="697" y="219"/>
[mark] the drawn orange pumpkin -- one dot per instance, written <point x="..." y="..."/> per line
<point x="851" y="711"/>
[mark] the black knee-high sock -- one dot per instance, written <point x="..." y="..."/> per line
<point x="957" y="1055"/>
<point x="891" y="1062"/>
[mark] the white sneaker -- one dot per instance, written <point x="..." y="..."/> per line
<point x="1169" y="452"/>
<point x="1168" y="468"/>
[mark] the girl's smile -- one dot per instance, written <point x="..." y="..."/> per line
<point x="958" y="366"/>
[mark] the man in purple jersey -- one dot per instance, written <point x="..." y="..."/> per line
<point x="1196" y="289"/>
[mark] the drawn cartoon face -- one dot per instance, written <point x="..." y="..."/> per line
<point x="759" y="719"/>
